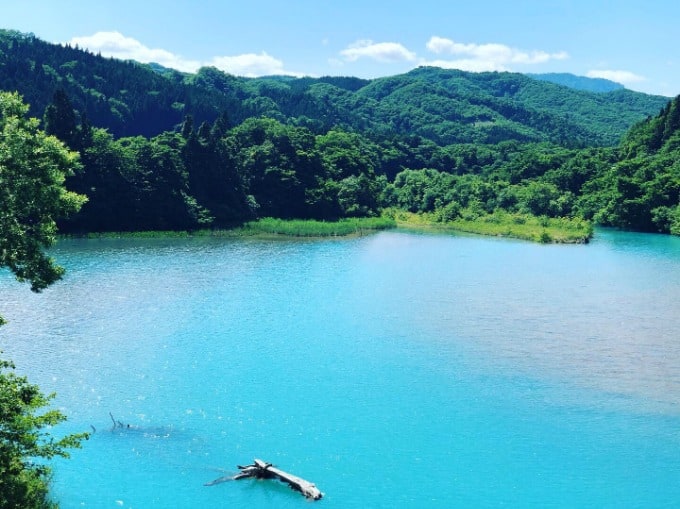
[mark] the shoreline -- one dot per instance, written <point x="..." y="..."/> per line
<point x="502" y="224"/>
<point x="521" y="227"/>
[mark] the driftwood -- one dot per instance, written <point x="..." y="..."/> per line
<point x="151" y="432"/>
<point x="116" y="424"/>
<point x="262" y="470"/>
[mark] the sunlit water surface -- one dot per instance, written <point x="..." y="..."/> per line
<point x="394" y="370"/>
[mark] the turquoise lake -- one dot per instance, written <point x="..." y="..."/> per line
<point x="393" y="370"/>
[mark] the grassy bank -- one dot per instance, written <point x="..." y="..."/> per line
<point x="499" y="224"/>
<point x="503" y="224"/>
<point x="270" y="227"/>
<point x="312" y="228"/>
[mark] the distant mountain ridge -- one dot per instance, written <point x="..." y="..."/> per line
<point x="598" y="85"/>
<point x="444" y="106"/>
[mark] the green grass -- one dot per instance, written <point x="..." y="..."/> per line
<point x="504" y="224"/>
<point x="313" y="228"/>
<point x="269" y="227"/>
<point x="500" y="224"/>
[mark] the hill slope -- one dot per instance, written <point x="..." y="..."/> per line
<point x="445" y="106"/>
<point x="491" y="107"/>
<point x="579" y="82"/>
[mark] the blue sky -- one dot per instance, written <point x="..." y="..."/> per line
<point x="632" y="42"/>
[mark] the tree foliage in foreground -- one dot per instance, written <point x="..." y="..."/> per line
<point x="33" y="167"/>
<point x="26" y="442"/>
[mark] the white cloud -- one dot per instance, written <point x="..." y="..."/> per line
<point x="116" y="45"/>
<point x="252" y="65"/>
<point x="623" y="77"/>
<point x="485" y="57"/>
<point x="380" y="51"/>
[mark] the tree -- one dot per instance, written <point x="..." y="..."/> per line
<point x="60" y="119"/>
<point x="108" y="165"/>
<point x="160" y="197"/>
<point x="24" y="439"/>
<point x="33" y="167"/>
<point x="278" y="164"/>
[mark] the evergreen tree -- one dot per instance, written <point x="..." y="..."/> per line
<point x="60" y="119"/>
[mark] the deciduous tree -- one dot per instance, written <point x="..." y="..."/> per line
<point x="33" y="167"/>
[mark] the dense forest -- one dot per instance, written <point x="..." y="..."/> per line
<point x="444" y="106"/>
<point x="579" y="82"/>
<point x="165" y="150"/>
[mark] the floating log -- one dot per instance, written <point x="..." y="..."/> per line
<point x="262" y="470"/>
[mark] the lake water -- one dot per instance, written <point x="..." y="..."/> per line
<point x="393" y="370"/>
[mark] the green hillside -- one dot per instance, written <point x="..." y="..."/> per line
<point x="445" y="106"/>
<point x="579" y="82"/>
<point x="641" y="191"/>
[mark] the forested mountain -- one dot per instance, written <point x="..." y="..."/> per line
<point x="127" y="98"/>
<point x="579" y="82"/>
<point x="445" y="106"/>
<point x="164" y="150"/>
<point x="642" y="190"/>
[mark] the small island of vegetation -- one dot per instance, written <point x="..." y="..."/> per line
<point x="503" y="224"/>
